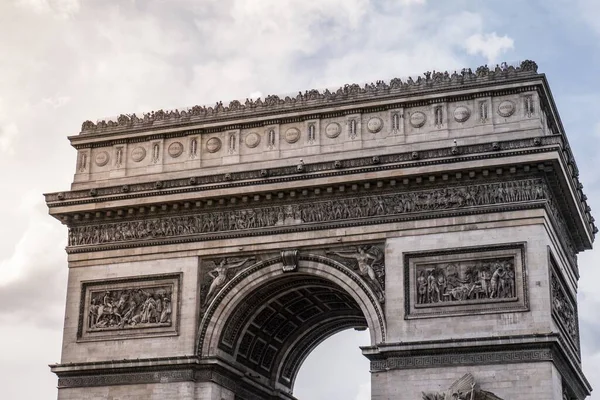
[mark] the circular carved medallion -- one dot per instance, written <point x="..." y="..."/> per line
<point x="461" y="114"/>
<point x="138" y="154"/>
<point x="417" y="119"/>
<point x="252" y="140"/>
<point x="333" y="130"/>
<point x="102" y="159"/>
<point x="213" y="144"/>
<point x="506" y="108"/>
<point x="292" y="135"/>
<point x="175" y="149"/>
<point x="374" y="125"/>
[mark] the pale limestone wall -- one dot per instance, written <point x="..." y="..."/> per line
<point x="155" y="391"/>
<point x="508" y="381"/>
<point x="537" y="320"/>
<point x="212" y="391"/>
<point x="143" y="347"/>
<point x="121" y="163"/>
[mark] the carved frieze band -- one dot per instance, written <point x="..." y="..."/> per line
<point x="425" y="157"/>
<point x="126" y="378"/>
<point x="129" y="307"/>
<point x="465" y="281"/>
<point x="450" y="198"/>
<point x="451" y="360"/>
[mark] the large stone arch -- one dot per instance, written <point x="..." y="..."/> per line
<point x="267" y="320"/>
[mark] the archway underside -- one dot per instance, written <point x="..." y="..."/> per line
<point x="275" y="328"/>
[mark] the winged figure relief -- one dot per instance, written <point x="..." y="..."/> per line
<point x="219" y="273"/>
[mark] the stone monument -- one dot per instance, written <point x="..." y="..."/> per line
<point x="211" y="249"/>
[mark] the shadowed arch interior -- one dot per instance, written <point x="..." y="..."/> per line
<point x="279" y="324"/>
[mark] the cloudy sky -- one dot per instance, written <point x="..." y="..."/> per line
<point x="64" y="61"/>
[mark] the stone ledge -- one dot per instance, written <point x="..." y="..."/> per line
<point x="548" y="347"/>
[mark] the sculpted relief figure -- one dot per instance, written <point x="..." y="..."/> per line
<point x="310" y="212"/>
<point x="218" y="273"/>
<point x="464" y="388"/>
<point x="463" y="281"/>
<point x="367" y="260"/>
<point x="128" y="308"/>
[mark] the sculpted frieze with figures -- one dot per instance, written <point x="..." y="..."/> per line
<point x="472" y="280"/>
<point x="127" y="307"/>
<point x="317" y="212"/>
<point x="466" y="280"/>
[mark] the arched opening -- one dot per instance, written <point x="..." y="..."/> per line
<point x="266" y="321"/>
<point x="336" y="369"/>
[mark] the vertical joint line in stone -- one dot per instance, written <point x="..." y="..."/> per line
<point x="352" y="129"/>
<point x="119" y="156"/>
<point x="155" y="152"/>
<point x="439" y="116"/>
<point x="483" y="111"/>
<point x="311" y="133"/>
<point x="82" y="161"/>
<point x="395" y="122"/>
<point x="271" y="139"/>
<point x="231" y="143"/>
<point x="529" y="111"/>
<point x="193" y="147"/>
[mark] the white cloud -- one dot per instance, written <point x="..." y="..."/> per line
<point x="364" y="391"/>
<point x="8" y="135"/>
<point x="490" y="45"/>
<point x="60" y="8"/>
<point x="106" y="57"/>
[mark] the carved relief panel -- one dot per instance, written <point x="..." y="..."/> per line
<point x="564" y="307"/>
<point x="368" y="261"/>
<point x="465" y="281"/>
<point x="129" y="307"/>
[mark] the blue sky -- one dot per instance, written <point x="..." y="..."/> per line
<point x="65" y="61"/>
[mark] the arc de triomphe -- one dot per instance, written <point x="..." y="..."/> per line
<point x="212" y="249"/>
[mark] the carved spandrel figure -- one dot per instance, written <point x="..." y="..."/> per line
<point x="365" y="260"/>
<point x="219" y="274"/>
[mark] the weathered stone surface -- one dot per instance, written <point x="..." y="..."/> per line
<point x="212" y="249"/>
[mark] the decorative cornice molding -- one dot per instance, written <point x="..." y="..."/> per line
<point x="409" y="159"/>
<point x="314" y="98"/>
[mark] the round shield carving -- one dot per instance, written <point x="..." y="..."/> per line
<point x="292" y="135"/>
<point x="252" y="140"/>
<point x="333" y="130"/>
<point x="138" y="154"/>
<point x="374" y="125"/>
<point x="102" y="159"/>
<point x="506" y="108"/>
<point x="417" y="119"/>
<point x="461" y="114"/>
<point x="213" y="144"/>
<point x="175" y="149"/>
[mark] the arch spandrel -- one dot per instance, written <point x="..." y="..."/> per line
<point x="343" y="299"/>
